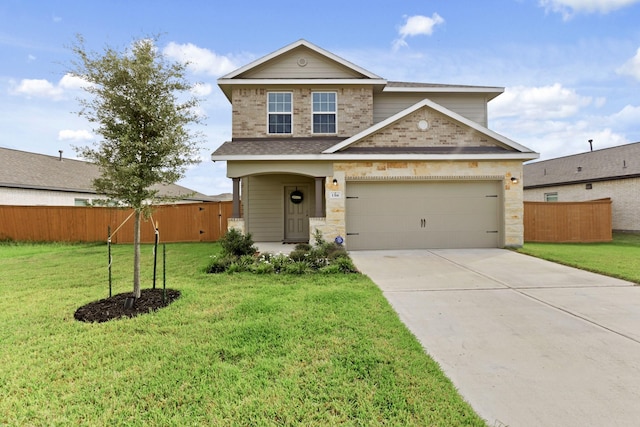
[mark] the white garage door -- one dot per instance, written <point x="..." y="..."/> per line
<point x="423" y="215"/>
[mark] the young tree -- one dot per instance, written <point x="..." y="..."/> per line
<point x="141" y="107"/>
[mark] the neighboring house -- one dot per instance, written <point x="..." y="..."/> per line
<point x="319" y="143"/>
<point x="608" y="173"/>
<point x="31" y="179"/>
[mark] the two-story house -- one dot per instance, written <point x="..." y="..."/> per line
<point x="319" y="143"/>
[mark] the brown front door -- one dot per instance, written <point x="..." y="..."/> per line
<point x="296" y="213"/>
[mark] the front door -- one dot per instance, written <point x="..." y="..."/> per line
<point x="296" y="213"/>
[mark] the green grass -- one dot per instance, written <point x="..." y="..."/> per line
<point x="619" y="258"/>
<point x="233" y="350"/>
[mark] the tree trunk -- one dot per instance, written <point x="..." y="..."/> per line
<point x="136" y="254"/>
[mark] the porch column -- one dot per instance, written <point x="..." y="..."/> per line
<point x="236" y="198"/>
<point x="319" y="197"/>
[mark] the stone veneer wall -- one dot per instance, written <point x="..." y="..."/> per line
<point x="442" y="131"/>
<point x="334" y="223"/>
<point x="355" y="111"/>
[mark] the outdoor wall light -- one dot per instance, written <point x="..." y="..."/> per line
<point x="335" y="182"/>
<point x="514" y="180"/>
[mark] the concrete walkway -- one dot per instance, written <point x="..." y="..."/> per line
<point x="526" y="342"/>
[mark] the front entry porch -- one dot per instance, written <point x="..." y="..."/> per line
<point x="278" y="207"/>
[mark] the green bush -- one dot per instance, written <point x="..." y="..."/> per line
<point x="237" y="244"/>
<point x="303" y="247"/>
<point x="298" y="267"/>
<point x="239" y="255"/>
<point x="220" y="264"/>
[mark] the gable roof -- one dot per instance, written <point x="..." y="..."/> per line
<point x="508" y="144"/>
<point x="237" y="73"/>
<point x="354" y="74"/>
<point x="606" y="164"/>
<point x="22" y="169"/>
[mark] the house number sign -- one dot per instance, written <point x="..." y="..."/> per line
<point x="296" y="197"/>
<point x="335" y="194"/>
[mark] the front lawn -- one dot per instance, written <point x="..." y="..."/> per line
<point x="234" y="349"/>
<point x="619" y="258"/>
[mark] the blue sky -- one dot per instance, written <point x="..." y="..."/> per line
<point x="570" y="68"/>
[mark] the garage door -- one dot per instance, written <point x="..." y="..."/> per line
<point x="423" y="215"/>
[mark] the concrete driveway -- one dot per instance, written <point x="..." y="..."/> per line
<point x="526" y="342"/>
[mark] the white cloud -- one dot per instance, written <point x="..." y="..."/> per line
<point x="69" y="82"/>
<point x="569" y="7"/>
<point x="41" y="88"/>
<point x="631" y="67"/>
<point x="75" y="135"/>
<point x="201" y="61"/>
<point x="202" y="89"/>
<point x="560" y="134"/>
<point x="415" y="26"/>
<point x="540" y="103"/>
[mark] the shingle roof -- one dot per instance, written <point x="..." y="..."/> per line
<point x="21" y="169"/>
<point x="600" y="165"/>
<point x="275" y="146"/>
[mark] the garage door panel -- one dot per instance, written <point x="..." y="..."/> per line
<point x="418" y="215"/>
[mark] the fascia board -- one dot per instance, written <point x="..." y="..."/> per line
<point x="294" y="45"/>
<point x="290" y="82"/>
<point x="428" y="103"/>
<point x="380" y="157"/>
<point x="445" y="89"/>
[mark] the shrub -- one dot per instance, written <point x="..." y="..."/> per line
<point x="297" y="267"/>
<point x="263" y="268"/>
<point x="219" y="264"/>
<point x="239" y="255"/>
<point x="298" y="255"/>
<point x="279" y="262"/>
<point x="303" y="247"/>
<point x="344" y="265"/>
<point x="237" y="244"/>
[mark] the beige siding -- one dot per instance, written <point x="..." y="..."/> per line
<point x="470" y="106"/>
<point x="355" y="112"/>
<point x="28" y="197"/>
<point x="288" y="66"/>
<point x="264" y="204"/>
<point x="624" y="194"/>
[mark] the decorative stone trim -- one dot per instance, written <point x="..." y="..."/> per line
<point x="426" y="178"/>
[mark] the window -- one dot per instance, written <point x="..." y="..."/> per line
<point x="279" y="112"/>
<point x="324" y="112"/>
<point x="550" y="197"/>
<point x="81" y="202"/>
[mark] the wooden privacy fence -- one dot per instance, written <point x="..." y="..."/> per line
<point x="189" y="222"/>
<point x="568" y="221"/>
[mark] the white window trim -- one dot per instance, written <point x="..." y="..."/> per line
<point x="553" y="194"/>
<point x="313" y="113"/>
<point x="278" y="112"/>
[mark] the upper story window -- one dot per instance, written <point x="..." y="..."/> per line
<point x="279" y="112"/>
<point x="324" y="112"/>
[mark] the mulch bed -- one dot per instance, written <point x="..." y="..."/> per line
<point x="114" y="308"/>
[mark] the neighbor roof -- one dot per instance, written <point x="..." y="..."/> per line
<point x="22" y="169"/>
<point x="607" y="164"/>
